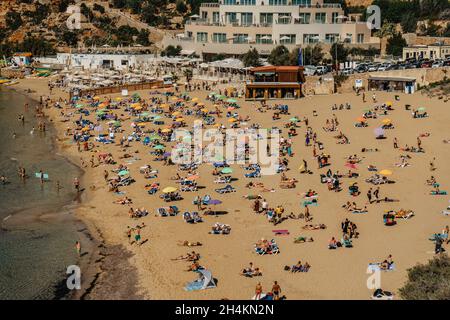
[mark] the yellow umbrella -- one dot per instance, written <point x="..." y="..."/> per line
<point x="118" y="99"/>
<point x="176" y="113"/>
<point x="179" y="119"/>
<point x="389" y="103"/>
<point x="386" y="121"/>
<point x="200" y="104"/>
<point x="164" y="105"/>
<point x="195" y="99"/>
<point x="141" y="124"/>
<point x="166" y="130"/>
<point x="204" y="110"/>
<point x="96" y="98"/>
<point x="138" y="108"/>
<point x="174" y="99"/>
<point x="385" y="172"/>
<point x="85" y="129"/>
<point x="232" y="120"/>
<point x="169" y="189"/>
<point x="217" y="125"/>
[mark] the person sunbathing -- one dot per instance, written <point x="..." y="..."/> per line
<point x="123" y="201"/>
<point x="431" y="181"/>
<point x="195" y="266"/>
<point x="314" y="227"/>
<point x="187" y="243"/>
<point x="302" y="239"/>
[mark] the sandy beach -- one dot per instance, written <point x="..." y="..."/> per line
<point x="124" y="271"/>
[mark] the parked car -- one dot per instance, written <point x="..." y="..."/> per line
<point x="347" y="71"/>
<point x="321" y="70"/>
<point x="310" y="70"/>
<point x="393" y="67"/>
<point x="372" y="67"/>
<point x="384" y="67"/>
<point x="446" y="63"/>
<point x="361" y="68"/>
<point x="426" y="64"/>
<point x="437" y="64"/>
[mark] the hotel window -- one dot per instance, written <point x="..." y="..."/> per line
<point x="246" y="18"/>
<point x="331" y="37"/>
<point x="334" y="16"/>
<point x="202" y="37"/>
<point x="277" y="2"/>
<point x="287" y="38"/>
<point x="304" y="18"/>
<point x="240" y="38"/>
<point x="310" y="38"/>
<point x="321" y="17"/>
<point x="360" y="38"/>
<point x="204" y="15"/>
<point x="264" y="38"/>
<point x="266" y="18"/>
<point x="229" y="2"/>
<point x="219" y="37"/>
<point x="231" y="17"/>
<point x="216" y="17"/>
<point x="348" y="38"/>
<point x="306" y="3"/>
<point x="247" y="2"/>
<point x="284" y="18"/>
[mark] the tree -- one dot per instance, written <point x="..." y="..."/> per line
<point x="395" y="45"/>
<point x="251" y="58"/>
<point x="148" y="14"/>
<point x="313" y="55"/>
<point x="181" y="6"/>
<point x="279" y="56"/>
<point x="171" y="51"/>
<point x="142" y="38"/>
<point x="98" y="8"/>
<point x="338" y="52"/>
<point x="409" y="23"/>
<point x="429" y="281"/>
<point x="13" y="20"/>
<point x="70" y="38"/>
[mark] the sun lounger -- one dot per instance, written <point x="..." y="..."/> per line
<point x="227" y="189"/>
<point x="359" y="211"/>
<point x="310" y="203"/>
<point x="440" y="193"/>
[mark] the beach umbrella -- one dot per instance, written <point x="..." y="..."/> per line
<point x="174" y="99"/>
<point x="96" y="98"/>
<point x="176" y="113"/>
<point x="193" y="177"/>
<point x="79" y="105"/>
<point x="118" y="99"/>
<point x="232" y="120"/>
<point x="158" y="147"/>
<point x="230" y="108"/>
<point x="204" y="110"/>
<point x="169" y="189"/>
<point x="214" y="202"/>
<point x="187" y="138"/>
<point x="220" y="97"/>
<point x="117" y="123"/>
<point x="378" y="132"/>
<point x="226" y="170"/>
<point x="195" y="99"/>
<point x="386" y="121"/>
<point x="145" y="114"/>
<point x="294" y="119"/>
<point x="167" y="154"/>
<point x="166" y="130"/>
<point x="123" y="173"/>
<point x="389" y="103"/>
<point x="421" y="109"/>
<point x="179" y="119"/>
<point x="361" y="119"/>
<point x="157" y="117"/>
<point x="85" y="129"/>
<point x="141" y="124"/>
<point x="385" y="172"/>
<point x="155" y="137"/>
<point x="231" y="100"/>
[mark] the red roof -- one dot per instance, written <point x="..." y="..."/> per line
<point x="277" y="69"/>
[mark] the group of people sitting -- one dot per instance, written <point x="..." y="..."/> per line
<point x="138" y="213"/>
<point x="264" y="246"/>
<point x="251" y="271"/>
<point x="220" y="228"/>
<point x="298" y="267"/>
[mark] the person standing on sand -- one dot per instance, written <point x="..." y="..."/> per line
<point x="364" y="97"/>
<point x="376" y="193"/>
<point x="395" y="143"/>
<point x="78" y="248"/>
<point x="432" y="167"/>
<point x="76" y="184"/>
<point x="258" y="291"/>
<point x="276" y="290"/>
<point x="369" y="195"/>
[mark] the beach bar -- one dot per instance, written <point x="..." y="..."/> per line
<point x="275" y="82"/>
<point x="386" y="83"/>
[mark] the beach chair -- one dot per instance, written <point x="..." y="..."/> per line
<point x="187" y="217"/>
<point x="254" y="174"/>
<point x="227" y="189"/>
<point x="174" y="210"/>
<point x="162" y="212"/>
<point x="438" y="193"/>
<point x="206" y="199"/>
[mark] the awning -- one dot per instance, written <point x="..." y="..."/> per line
<point x="187" y="52"/>
<point x="264" y="73"/>
<point x="400" y="79"/>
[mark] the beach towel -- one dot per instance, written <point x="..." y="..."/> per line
<point x="376" y="267"/>
<point x="38" y="175"/>
<point x="359" y="211"/>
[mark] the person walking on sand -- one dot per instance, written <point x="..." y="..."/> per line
<point x="364" y="97"/>
<point x="432" y="167"/>
<point x="137" y="236"/>
<point x="258" y="291"/>
<point x="76" y="184"/>
<point x="376" y="193"/>
<point x="395" y="143"/>
<point x="78" y="248"/>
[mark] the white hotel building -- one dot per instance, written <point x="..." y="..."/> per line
<point x="234" y="26"/>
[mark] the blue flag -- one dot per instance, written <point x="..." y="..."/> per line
<point x="300" y="57"/>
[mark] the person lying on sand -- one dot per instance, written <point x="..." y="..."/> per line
<point x="314" y="227"/>
<point x="252" y="196"/>
<point x="187" y="243"/>
<point x="125" y="200"/>
<point x="195" y="266"/>
<point x="193" y="256"/>
<point x="302" y="239"/>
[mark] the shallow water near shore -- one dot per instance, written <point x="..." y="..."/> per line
<point x="38" y="229"/>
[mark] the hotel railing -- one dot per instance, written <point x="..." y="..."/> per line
<point x="210" y="5"/>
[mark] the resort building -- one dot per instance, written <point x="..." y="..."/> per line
<point x="233" y="27"/>
<point x="269" y="82"/>
<point x="434" y="51"/>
